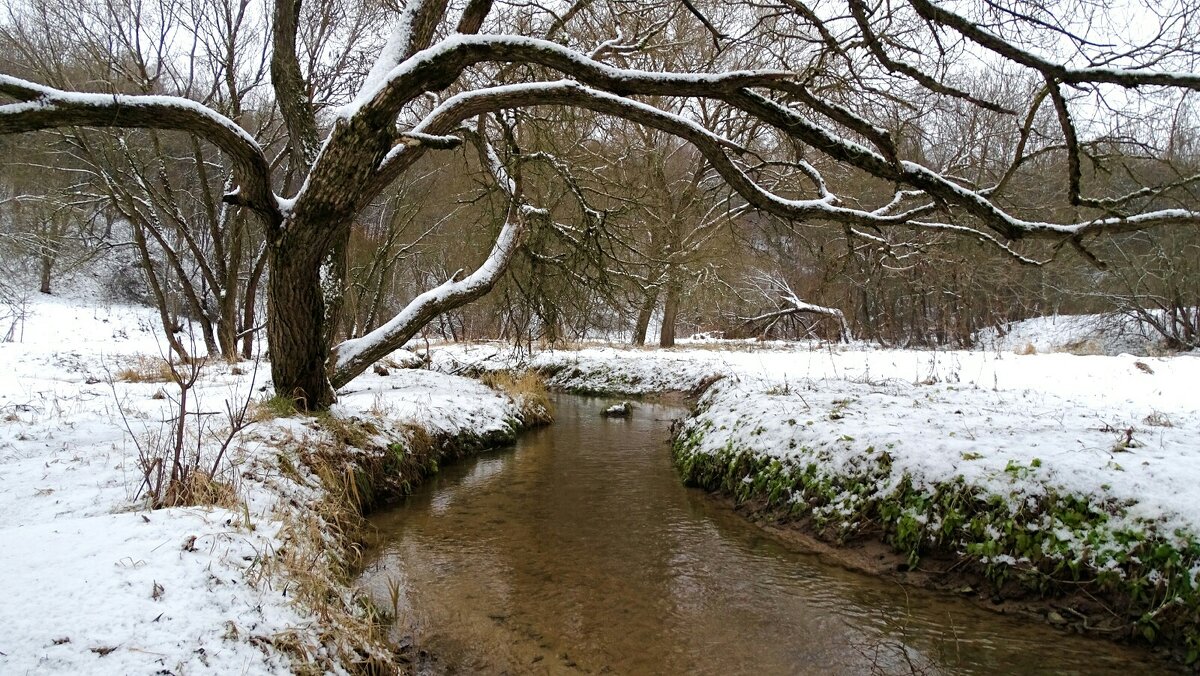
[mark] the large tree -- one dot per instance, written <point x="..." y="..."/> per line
<point x="795" y="97"/>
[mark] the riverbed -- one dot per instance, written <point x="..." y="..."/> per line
<point x="579" y="551"/>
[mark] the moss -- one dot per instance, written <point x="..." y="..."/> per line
<point x="1043" y="546"/>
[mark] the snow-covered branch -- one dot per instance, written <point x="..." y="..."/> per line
<point x="39" y="107"/>
<point x="789" y="304"/>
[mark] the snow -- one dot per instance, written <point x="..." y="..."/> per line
<point x="95" y="582"/>
<point x="1065" y="420"/>
<point x="1102" y="333"/>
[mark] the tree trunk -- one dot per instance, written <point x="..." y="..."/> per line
<point x="227" y="326"/>
<point x="666" y="337"/>
<point x="249" y="301"/>
<point x="336" y="266"/>
<point x="160" y="297"/>
<point x="47" y="266"/>
<point x="296" y="327"/>
<point x="644" y="315"/>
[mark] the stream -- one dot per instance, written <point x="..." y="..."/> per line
<point x="580" y="551"/>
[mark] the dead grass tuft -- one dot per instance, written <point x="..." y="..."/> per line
<point x="348" y="431"/>
<point x="146" y="369"/>
<point x="1158" y="419"/>
<point x="528" y="389"/>
<point x="1026" y="349"/>
<point x="199" y="488"/>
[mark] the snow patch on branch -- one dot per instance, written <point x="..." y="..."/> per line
<point x="377" y="81"/>
<point x="484" y="277"/>
<point x="39" y="97"/>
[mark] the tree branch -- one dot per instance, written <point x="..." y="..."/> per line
<point x="42" y="107"/>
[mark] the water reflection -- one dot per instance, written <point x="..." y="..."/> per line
<point x="579" y="551"/>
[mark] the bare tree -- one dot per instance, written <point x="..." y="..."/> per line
<point x="812" y="85"/>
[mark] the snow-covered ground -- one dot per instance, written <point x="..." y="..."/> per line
<point x="93" y="582"/>
<point x="932" y="408"/>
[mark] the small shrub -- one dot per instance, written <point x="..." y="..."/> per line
<point x="182" y="462"/>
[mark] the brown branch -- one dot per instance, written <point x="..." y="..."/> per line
<point x="473" y="16"/>
<point x="291" y="90"/>
<point x="859" y="10"/>
<point x="712" y="30"/>
<point x="1124" y="77"/>
<point x="1074" y="170"/>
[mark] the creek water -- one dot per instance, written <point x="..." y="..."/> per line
<point x="579" y="551"/>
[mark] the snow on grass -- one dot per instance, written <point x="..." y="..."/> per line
<point x="96" y="583"/>
<point x="1013" y="444"/>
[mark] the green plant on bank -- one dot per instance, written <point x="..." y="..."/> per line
<point x="274" y="407"/>
<point x="1045" y="544"/>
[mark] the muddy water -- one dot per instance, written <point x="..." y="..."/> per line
<point x="580" y="552"/>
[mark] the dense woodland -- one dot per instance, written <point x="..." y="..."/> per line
<point x="910" y="158"/>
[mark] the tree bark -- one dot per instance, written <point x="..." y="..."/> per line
<point x="296" y="327"/>
<point x="644" y="315"/>
<point x="47" y="267"/>
<point x="666" y="337"/>
<point x="249" y="301"/>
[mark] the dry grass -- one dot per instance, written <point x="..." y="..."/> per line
<point x="380" y="407"/>
<point x="198" y="488"/>
<point x="1026" y="349"/>
<point x="528" y="389"/>
<point x="1086" y="347"/>
<point x="318" y="562"/>
<point x="146" y="369"/>
<point x="420" y="442"/>
<point x="1158" y="419"/>
<point x="348" y="431"/>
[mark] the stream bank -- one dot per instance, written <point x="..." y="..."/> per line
<point x="384" y="438"/>
<point x="984" y="492"/>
